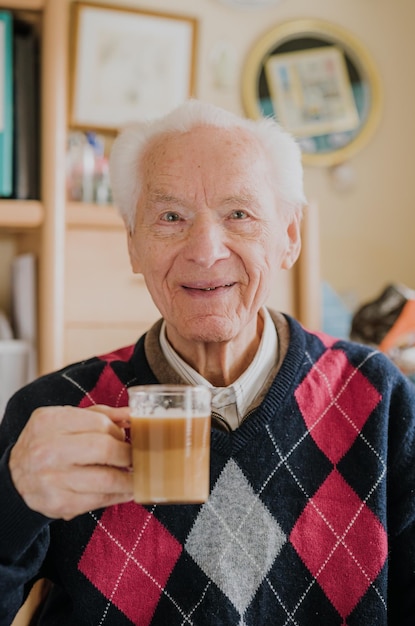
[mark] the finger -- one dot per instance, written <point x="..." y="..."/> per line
<point x="69" y="419"/>
<point x="68" y="505"/>
<point x="95" y="449"/>
<point x="119" y="415"/>
<point x="91" y="502"/>
<point x="96" y="480"/>
<point x="67" y="494"/>
<point x="78" y="449"/>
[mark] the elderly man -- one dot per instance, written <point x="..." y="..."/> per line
<point x="311" y="513"/>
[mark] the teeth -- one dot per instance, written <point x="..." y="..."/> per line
<point x="213" y="288"/>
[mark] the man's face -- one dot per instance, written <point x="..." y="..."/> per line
<point x="209" y="236"/>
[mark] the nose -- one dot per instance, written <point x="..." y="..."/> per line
<point x="206" y="241"/>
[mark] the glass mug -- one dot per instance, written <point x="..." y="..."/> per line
<point x="170" y="437"/>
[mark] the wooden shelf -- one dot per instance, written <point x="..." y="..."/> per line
<point x="19" y="214"/>
<point x="30" y="5"/>
<point x="83" y="215"/>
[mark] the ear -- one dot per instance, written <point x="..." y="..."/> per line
<point x="292" y="251"/>
<point x="134" y="256"/>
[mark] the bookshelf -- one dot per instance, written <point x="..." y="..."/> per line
<point x="39" y="226"/>
<point x="60" y="232"/>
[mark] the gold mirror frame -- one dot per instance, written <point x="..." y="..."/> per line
<point x="357" y="57"/>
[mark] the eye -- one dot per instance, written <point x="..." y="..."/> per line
<point x="239" y="214"/>
<point x="170" y="216"/>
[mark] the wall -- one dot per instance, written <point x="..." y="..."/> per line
<point x="366" y="231"/>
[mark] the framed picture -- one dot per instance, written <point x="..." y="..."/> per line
<point x="311" y="91"/>
<point x="128" y="65"/>
<point x="6" y="104"/>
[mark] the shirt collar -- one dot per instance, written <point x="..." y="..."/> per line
<point x="232" y="402"/>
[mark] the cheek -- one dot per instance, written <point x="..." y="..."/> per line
<point x="155" y="264"/>
<point x="141" y="252"/>
<point x="265" y="272"/>
<point x="267" y="255"/>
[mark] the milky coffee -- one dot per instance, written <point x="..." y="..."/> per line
<point x="171" y="446"/>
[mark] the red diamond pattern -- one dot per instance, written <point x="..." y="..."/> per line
<point x="108" y="384"/>
<point x="141" y="555"/>
<point x="122" y="354"/>
<point x="331" y="412"/>
<point x="335" y="535"/>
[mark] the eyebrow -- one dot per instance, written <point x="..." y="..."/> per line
<point x="243" y="200"/>
<point x="240" y="199"/>
<point x="158" y="196"/>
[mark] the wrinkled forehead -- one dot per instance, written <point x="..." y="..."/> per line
<point x="220" y="150"/>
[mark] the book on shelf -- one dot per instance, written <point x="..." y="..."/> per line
<point x="19" y="108"/>
<point x="26" y="173"/>
<point x="6" y="103"/>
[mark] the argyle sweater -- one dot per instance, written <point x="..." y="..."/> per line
<point x="310" y="519"/>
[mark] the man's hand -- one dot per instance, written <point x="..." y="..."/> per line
<point x="68" y="461"/>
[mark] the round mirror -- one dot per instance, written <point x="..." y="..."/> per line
<point x="320" y="83"/>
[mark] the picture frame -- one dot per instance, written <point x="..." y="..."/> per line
<point x="128" y="65"/>
<point x="304" y="35"/>
<point x="311" y="92"/>
<point x="6" y="103"/>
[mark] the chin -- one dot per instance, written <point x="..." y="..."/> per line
<point x="208" y="330"/>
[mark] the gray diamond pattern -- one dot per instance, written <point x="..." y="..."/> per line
<point x="235" y="539"/>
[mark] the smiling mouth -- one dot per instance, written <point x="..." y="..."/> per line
<point x="209" y="288"/>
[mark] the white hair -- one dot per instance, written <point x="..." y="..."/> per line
<point x="130" y="146"/>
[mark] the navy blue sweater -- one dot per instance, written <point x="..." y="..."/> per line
<point x="310" y="519"/>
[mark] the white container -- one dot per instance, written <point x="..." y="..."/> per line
<point x="14" y="368"/>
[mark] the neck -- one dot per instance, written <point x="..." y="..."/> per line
<point x="221" y="363"/>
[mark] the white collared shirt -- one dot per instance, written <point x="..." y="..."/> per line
<point x="232" y="402"/>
